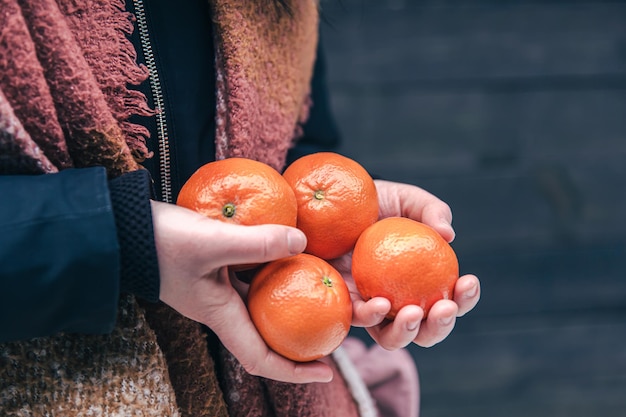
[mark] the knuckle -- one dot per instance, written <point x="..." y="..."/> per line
<point x="256" y="367"/>
<point x="272" y="245"/>
<point x="252" y="369"/>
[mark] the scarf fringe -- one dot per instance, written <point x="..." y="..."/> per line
<point x="106" y="28"/>
<point x="92" y="134"/>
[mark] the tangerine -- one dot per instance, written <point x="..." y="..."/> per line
<point x="406" y="262"/>
<point x="301" y="307"/>
<point x="337" y="200"/>
<point x="241" y="191"/>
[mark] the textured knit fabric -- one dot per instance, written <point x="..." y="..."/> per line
<point x="249" y="396"/>
<point x="92" y="133"/>
<point x="130" y="197"/>
<point x="23" y="82"/>
<point x="264" y="64"/>
<point x="191" y="367"/>
<point x="118" y="374"/>
<point x="19" y="154"/>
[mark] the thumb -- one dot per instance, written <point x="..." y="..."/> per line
<point x="259" y="244"/>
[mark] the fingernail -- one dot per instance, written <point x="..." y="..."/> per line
<point x="471" y="292"/>
<point x="446" y="321"/>
<point x="326" y="378"/>
<point x="412" y="325"/>
<point x="448" y="226"/>
<point x="316" y="374"/>
<point x="296" y="241"/>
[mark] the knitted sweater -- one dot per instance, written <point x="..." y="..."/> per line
<point x="65" y="101"/>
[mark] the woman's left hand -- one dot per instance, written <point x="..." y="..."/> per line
<point x="409" y="326"/>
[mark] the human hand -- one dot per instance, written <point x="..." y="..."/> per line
<point x="194" y="252"/>
<point x="397" y="199"/>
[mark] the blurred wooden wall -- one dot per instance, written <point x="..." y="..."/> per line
<point x="513" y="112"/>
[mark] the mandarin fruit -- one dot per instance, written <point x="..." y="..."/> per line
<point x="241" y="191"/>
<point x="301" y="307"/>
<point x="406" y="262"/>
<point x="337" y="200"/>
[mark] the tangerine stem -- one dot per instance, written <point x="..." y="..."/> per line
<point x="319" y="195"/>
<point x="327" y="281"/>
<point x="228" y="210"/>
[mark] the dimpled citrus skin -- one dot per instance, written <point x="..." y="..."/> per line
<point x="406" y="262"/>
<point x="337" y="200"/>
<point x="240" y="191"/>
<point x="301" y="307"/>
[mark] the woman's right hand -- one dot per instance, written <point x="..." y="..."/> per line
<point x="194" y="253"/>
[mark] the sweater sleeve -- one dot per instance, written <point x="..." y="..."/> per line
<point x="59" y="254"/>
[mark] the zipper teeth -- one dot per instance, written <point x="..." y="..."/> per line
<point x="157" y="96"/>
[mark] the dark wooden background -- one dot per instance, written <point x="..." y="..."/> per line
<point x="513" y="112"/>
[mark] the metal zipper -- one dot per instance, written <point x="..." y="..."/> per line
<point x="159" y="103"/>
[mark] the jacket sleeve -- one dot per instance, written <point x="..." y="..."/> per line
<point x="59" y="254"/>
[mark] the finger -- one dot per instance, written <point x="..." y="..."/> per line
<point x="439" y="323"/>
<point x="369" y="313"/>
<point x="233" y="326"/>
<point x="257" y="359"/>
<point x="278" y="368"/>
<point x="258" y="244"/>
<point x="401" y="331"/>
<point x="422" y="206"/>
<point x="438" y="215"/>
<point x="466" y="293"/>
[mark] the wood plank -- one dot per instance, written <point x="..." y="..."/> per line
<point x="540" y="369"/>
<point x="515" y="211"/>
<point x="457" y="132"/>
<point x="561" y="280"/>
<point x="376" y="43"/>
